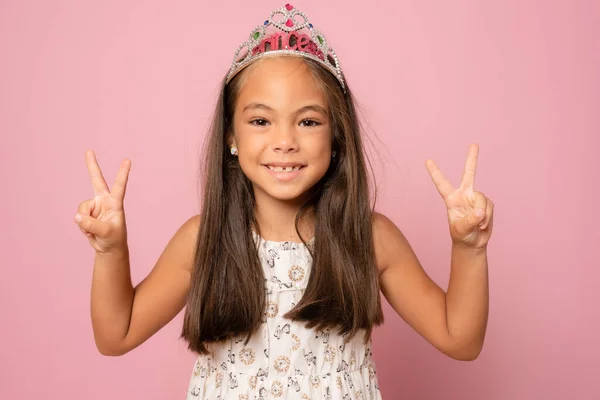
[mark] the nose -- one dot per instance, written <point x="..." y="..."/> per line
<point x="284" y="140"/>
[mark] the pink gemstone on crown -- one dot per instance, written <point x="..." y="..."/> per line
<point x="289" y="23"/>
<point x="289" y="7"/>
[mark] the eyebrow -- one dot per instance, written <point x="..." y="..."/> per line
<point x="310" y="107"/>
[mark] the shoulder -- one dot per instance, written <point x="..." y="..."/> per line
<point x="382" y="224"/>
<point x="181" y="248"/>
<point x="189" y="229"/>
<point x="391" y="246"/>
<point x="193" y="224"/>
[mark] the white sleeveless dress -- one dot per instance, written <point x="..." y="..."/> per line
<point x="284" y="360"/>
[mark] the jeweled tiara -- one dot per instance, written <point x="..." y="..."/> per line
<point x="288" y="32"/>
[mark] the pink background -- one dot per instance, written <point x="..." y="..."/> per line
<point x="139" y="79"/>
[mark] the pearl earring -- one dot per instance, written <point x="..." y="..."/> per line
<point x="333" y="154"/>
<point x="234" y="151"/>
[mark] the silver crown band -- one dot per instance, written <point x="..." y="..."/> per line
<point x="286" y="32"/>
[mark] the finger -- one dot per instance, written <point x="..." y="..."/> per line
<point x="98" y="182"/>
<point x="468" y="178"/>
<point x="490" y="224"/>
<point x="118" y="189"/>
<point x="479" y="203"/>
<point x="489" y="212"/>
<point x="442" y="185"/>
<point x="90" y="207"/>
<point x="92" y="225"/>
<point x="86" y="207"/>
<point x="477" y="215"/>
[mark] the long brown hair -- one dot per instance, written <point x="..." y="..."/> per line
<point x="343" y="289"/>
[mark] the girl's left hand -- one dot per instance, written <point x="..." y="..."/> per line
<point x="470" y="213"/>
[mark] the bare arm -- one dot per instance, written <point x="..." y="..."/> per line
<point x="111" y="299"/>
<point x="467" y="298"/>
<point x="454" y="323"/>
<point x="124" y="317"/>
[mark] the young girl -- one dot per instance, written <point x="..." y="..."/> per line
<point x="281" y="272"/>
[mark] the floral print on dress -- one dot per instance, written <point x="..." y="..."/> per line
<point x="277" y="389"/>
<point x="282" y="364"/>
<point x="272" y="309"/>
<point x="284" y="359"/>
<point x="329" y="353"/>
<point x="315" y="381"/>
<point x="247" y="356"/>
<point x="296" y="273"/>
<point x="252" y="382"/>
<point x="295" y="342"/>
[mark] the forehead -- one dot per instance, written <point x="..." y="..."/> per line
<point x="280" y="81"/>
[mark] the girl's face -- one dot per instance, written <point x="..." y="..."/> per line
<point x="281" y="129"/>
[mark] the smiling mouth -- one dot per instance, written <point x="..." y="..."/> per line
<point x="284" y="169"/>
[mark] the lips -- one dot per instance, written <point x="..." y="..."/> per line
<point x="284" y="167"/>
<point x="284" y="171"/>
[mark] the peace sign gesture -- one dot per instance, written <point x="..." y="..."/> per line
<point x="102" y="219"/>
<point x="470" y="213"/>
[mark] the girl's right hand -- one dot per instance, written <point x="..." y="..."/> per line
<point x="102" y="219"/>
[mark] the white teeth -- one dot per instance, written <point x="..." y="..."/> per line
<point x="283" y="169"/>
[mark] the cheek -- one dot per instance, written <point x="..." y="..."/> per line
<point x="250" y="150"/>
<point x="247" y="158"/>
<point x="319" y="147"/>
<point x="249" y="145"/>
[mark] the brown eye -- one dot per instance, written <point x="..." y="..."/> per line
<point x="259" y="122"/>
<point x="309" y="123"/>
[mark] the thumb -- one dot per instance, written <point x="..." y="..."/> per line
<point x="477" y="214"/>
<point x="92" y="225"/>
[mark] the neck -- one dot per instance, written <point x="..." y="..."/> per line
<point x="276" y="220"/>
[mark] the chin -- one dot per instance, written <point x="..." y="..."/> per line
<point x="287" y="194"/>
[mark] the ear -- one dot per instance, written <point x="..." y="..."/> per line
<point x="232" y="147"/>
<point x="231" y="140"/>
